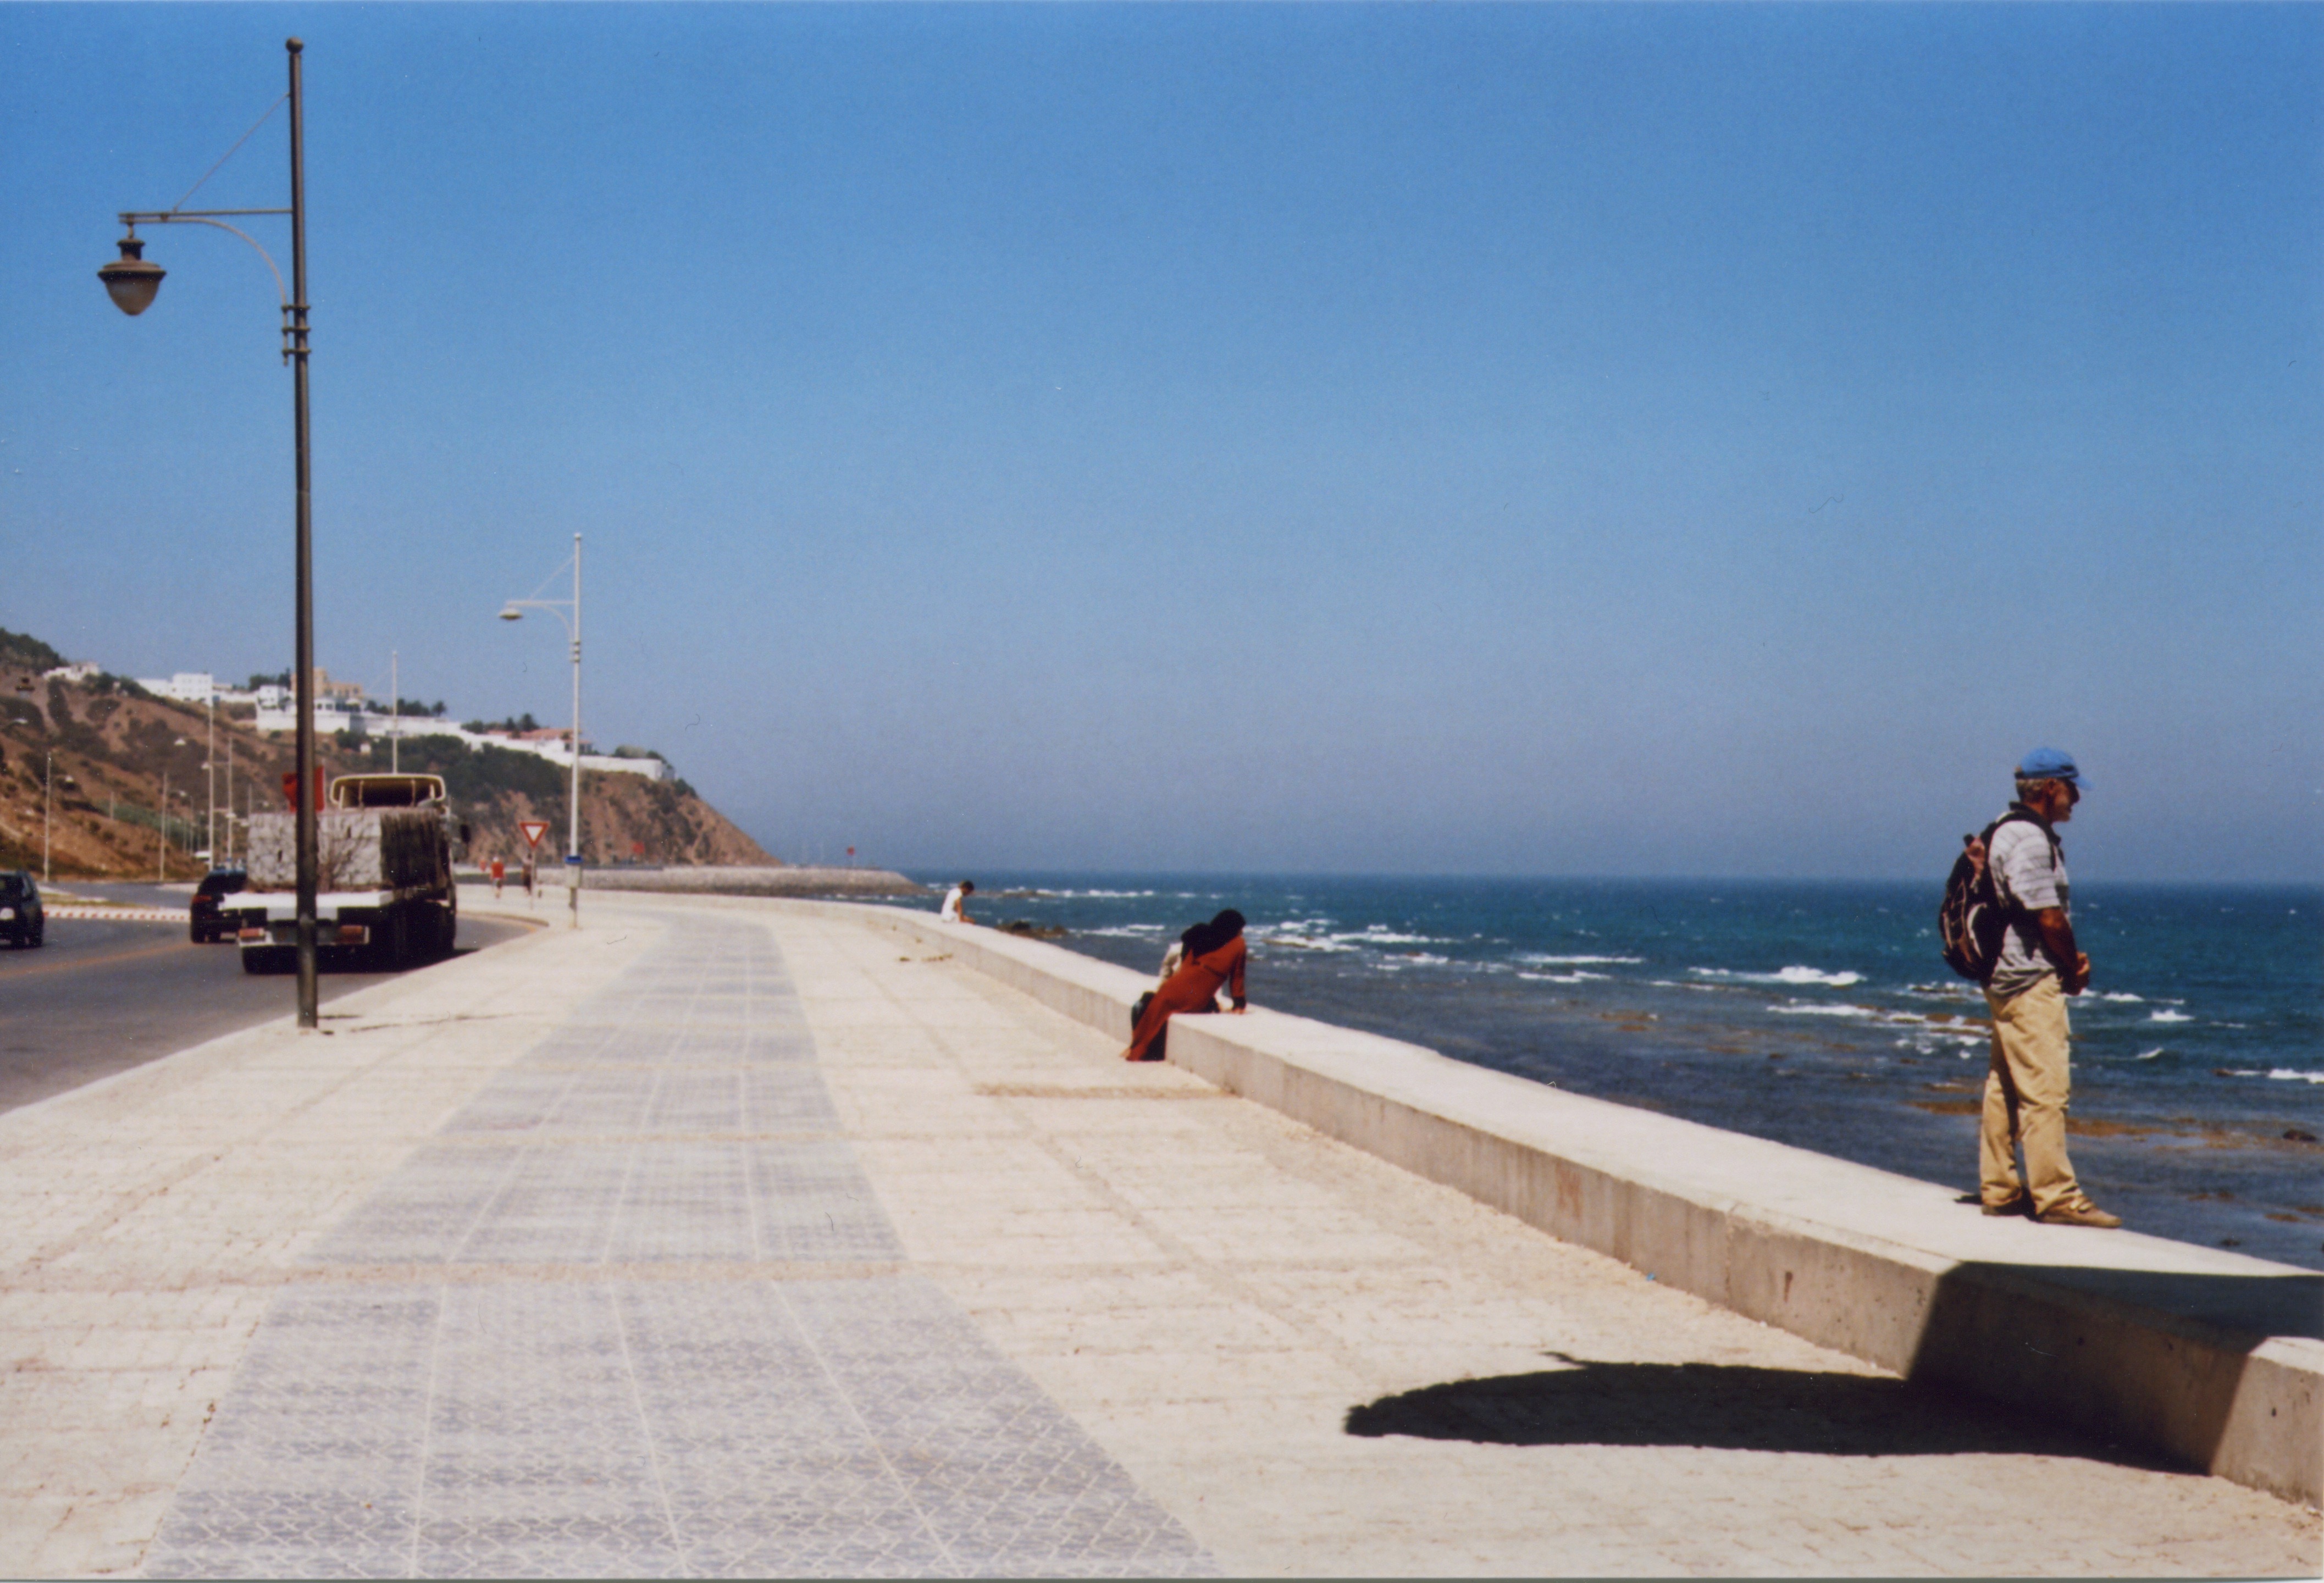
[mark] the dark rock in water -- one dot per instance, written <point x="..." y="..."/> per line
<point x="2294" y="1135"/>
<point x="1033" y="931"/>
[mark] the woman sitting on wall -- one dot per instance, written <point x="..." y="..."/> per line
<point x="1214" y="955"/>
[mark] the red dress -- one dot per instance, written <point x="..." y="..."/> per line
<point x="1192" y="987"/>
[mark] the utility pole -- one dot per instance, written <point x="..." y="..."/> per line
<point x="394" y="716"/>
<point x="48" y="806"/>
<point x="210" y="767"/>
<point x="229" y="798"/>
<point x="161" y="834"/>
<point x="573" y="841"/>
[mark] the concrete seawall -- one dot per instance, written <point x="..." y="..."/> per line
<point x="2203" y="1356"/>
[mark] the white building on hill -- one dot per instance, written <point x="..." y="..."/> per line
<point x="188" y="686"/>
<point x="551" y="745"/>
<point x="341" y="706"/>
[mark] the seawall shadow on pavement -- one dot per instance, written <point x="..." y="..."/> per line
<point x="1718" y="1406"/>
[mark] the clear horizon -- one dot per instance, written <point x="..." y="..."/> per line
<point x="1691" y="442"/>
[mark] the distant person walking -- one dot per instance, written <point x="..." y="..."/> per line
<point x="500" y="873"/>
<point x="1214" y="954"/>
<point x="2028" y="1084"/>
<point x="956" y="904"/>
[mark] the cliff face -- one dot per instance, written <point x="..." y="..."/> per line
<point x="116" y="752"/>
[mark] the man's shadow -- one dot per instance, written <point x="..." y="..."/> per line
<point x="1718" y="1406"/>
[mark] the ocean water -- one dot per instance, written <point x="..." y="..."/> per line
<point x="1816" y="1014"/>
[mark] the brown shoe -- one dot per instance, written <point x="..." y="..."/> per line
<point x="2079" y="1211"/>
<point x="2020" y="1205"/>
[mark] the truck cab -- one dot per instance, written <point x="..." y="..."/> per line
<point x="386" y="791"/>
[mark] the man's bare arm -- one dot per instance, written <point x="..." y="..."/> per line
<point x="2058" y="940"/>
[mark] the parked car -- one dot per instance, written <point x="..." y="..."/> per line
<point x="22" y="920"/>
<point x="207" y="922"/>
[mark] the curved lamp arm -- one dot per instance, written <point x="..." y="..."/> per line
<point x="513" y="609"/>
<point x="134" y="218"/>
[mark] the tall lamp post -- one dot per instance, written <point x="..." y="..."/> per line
<point x="133" y="282"/>
<point x="513" y="610"/>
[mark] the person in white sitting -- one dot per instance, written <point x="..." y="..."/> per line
<point x="954" y="910"/>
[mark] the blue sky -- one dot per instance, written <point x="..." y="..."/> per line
<point x="1647" y="439"/>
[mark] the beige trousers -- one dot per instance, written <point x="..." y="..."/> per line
<point x="2027" y="1089"/>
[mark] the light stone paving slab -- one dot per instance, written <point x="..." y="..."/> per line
<point x="147" y="1220"/>
<point x="675" y="1338"/>
<point x="1325" y="1366"/>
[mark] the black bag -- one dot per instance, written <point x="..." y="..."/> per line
<point x="1137" y="1012"/>
<point x="1973" y="920"/>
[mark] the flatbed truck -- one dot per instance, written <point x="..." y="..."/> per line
<point x="384" y="883"/>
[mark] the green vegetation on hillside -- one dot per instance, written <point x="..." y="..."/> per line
<point x="472" y="775"/>
<point x="21" y="648"/>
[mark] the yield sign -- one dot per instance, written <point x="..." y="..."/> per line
<point x="534" y="829"/>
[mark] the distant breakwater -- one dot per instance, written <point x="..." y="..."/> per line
<point x="713" y="880"/>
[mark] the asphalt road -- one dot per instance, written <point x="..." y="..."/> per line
<point x="102" y="996"/>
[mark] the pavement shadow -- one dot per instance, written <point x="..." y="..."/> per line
<point x="1722" y="1406"/>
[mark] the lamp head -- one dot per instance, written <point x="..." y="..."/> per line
<point x="130" y="280"/>
<point x="512" y="615"/>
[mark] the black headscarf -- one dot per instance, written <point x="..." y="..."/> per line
<point x="1204" y="938"/>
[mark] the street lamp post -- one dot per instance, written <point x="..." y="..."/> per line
<point x="48" y="806"/>
<point x="513" y="610"/>
<point x="131" y="282"/>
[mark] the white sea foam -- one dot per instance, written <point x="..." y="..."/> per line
<point x="1305" y="942"/>
<point x="2167" y="1015"/>
<point x="1381" y="935"/>
<point x="2286" y="1075"/>
<point x="1790" y="975"/>
<point x="1126" y="931"/>
<point x="1539" y="960"/>
<point x="2148" y="1055"/>
<point x="2125" y="1000"/>
<point x="1813" y="1008"/>
<point x="1577" y="976"/>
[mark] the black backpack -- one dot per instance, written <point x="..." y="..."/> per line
<point x="1974" y="919"/>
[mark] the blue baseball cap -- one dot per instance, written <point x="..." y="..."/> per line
<point x="2051" y="764"/>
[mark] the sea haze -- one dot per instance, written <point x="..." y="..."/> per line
<point x="1816" y="1014"/>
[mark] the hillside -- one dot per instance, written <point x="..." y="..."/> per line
<point x="116" y="749"/>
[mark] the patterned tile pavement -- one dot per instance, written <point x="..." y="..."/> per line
<point x="672" y="1335"/>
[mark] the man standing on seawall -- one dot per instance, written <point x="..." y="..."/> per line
<point x="2028" y="1085"/>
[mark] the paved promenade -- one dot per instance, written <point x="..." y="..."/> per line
<point x="715" y="1239"/>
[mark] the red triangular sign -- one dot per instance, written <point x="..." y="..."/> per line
<point x="534" y="829"/>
